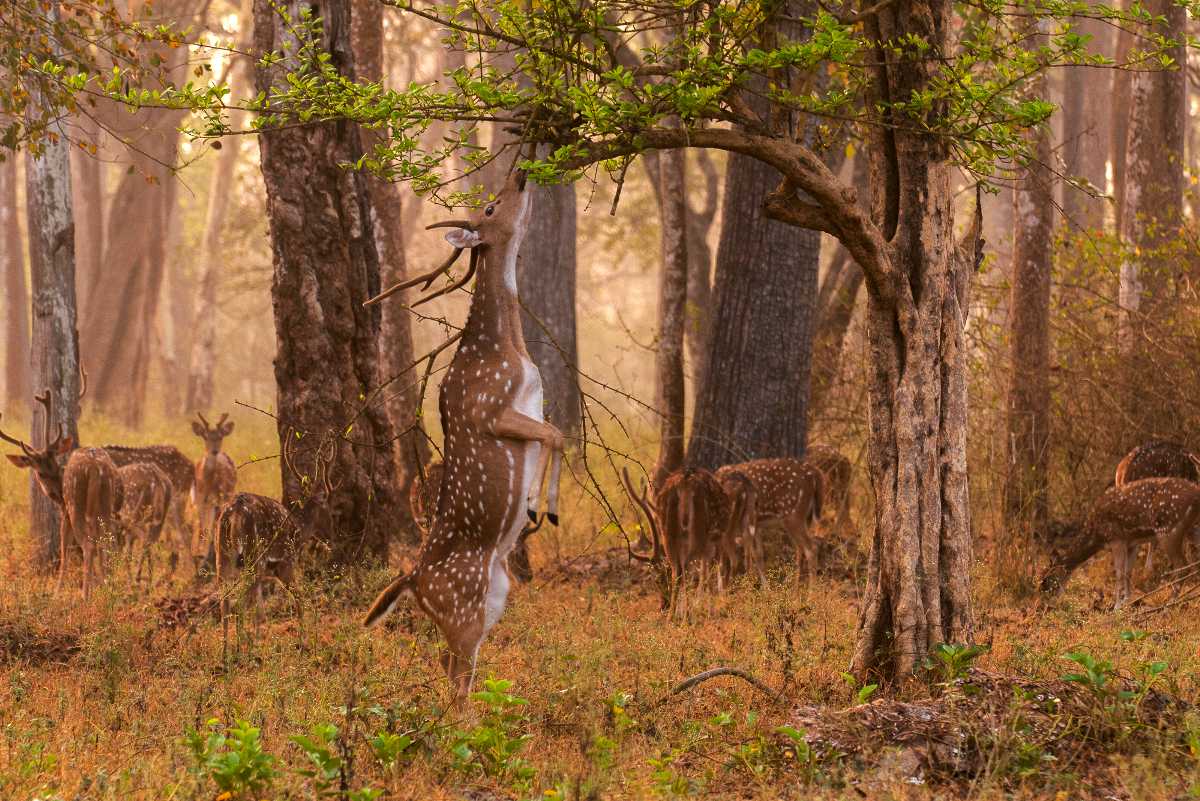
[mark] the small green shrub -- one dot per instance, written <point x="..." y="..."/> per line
<point x="233" y="758"/>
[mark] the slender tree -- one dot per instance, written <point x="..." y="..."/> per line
<point x="16" y="292"/>
<point x="1086" y="135"/>
<point x="670" y="402"/>
<point x="325" y="266"/>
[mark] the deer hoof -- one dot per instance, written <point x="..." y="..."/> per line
<point x="553" y="518"/>
<point x="532" y="515"/>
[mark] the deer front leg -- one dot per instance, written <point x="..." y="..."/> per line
<point x="511" y="424"/>
<point x="64" y="532"/>
<point x="1122" y="565"/>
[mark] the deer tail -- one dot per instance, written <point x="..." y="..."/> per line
<point x="400" y="588"/>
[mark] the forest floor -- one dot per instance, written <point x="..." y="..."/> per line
<point x="128" y="696"/>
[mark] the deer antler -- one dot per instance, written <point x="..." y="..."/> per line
<point x="203" y="421"/>
<point x="28" y="451"/>
<point x="426" y="279"/>
<point x="47" y="400"/>
<point x="647" y="509"/>
<point x="83" y="381"/>
<point x="456" y="285"/>
<point x="224" y="417"/>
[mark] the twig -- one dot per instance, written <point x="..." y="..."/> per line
<point x="700" y="678"/>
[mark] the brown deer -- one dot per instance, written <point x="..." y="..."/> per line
<point x="146" y="500"/>
<point x="87" y="490"/>
<point x="688" y="521"/>
<point x="741" y="543"/>
<point x="1156" y="458"/>
<point x="215" y="479"/>
<point x="182" y="474"/>
<point x="497" y="446"/>
<point x="1162" y="508"/>
<point x="836" y="475"/>
<point x="789" y="491"/>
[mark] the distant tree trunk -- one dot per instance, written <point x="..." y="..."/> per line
<point x="1120" y="97"/>
<point x="754" y="401"/>
<point x="546" y="286"/>
<point x="16" y="293"/>
<point x="175" y="315"/>
<point x="87" y="187"/>
<point x="203" y="358"/>
<point x="1027" y="479"/>
<point x="700" y="261"/>
<point x="387" y="220"/>
<point x="55" y="342"/>
<point x="325" y="266"/>
<point x="1152" y="215"/>
<point x="670" y="402"/>
<point x="1086" y="131"/>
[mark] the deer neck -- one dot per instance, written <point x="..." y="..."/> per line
<point x="495" y="317"/>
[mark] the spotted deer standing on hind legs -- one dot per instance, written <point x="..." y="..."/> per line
<point x="87" y="490"/>
<point x="498" y="448"/>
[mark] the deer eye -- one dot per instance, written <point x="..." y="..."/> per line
<point x="489" y="211"/>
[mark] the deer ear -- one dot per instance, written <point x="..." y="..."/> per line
<point x="66" y="446"/>
<point x="197" y="430"/>
<point x="462" y="238"/>
<point x="19" y="460"/>
<point x="227" y="429"/>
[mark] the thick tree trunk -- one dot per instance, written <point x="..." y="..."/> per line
<point x="55" y="342"/>
<point x="1086" y="133"/>
<point x="670" y="401"/>
<point x="16" y="292"/>
<point x="396" y="345"/>
<point x="1027" y="481"/>
<point x="1152" y="216"/>
<point x="546" y="286"/>
<point x="754" y="402"/>
<point x="326" y="266"/>
<point x="918" y="576"/>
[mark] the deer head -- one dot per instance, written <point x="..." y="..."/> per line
<point x="213" y="436"/>
<point x="494" y="230"/>
<point x="45" y="462"/>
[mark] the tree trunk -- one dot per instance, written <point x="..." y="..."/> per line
<point x="754" y="402"/>
<point x="918" y="576"/>
<point x="387" y="221"/>
<point x="670" y="401"/>
<point x="325" y="266"/>
<point x="546" y="286"/>
<point x="16" y="312"/>
<point x="700" y="263"/>
<point x="1119" y="98"/>
<point x="87" y="188"/>
<point x="175" y="315"/>
<point x="1085" y="132"/>
<point x="1027" y="480"/>
<point x="55" y="339"/>
<point x="836" y="301"/>
<point x="1152" y="216"/>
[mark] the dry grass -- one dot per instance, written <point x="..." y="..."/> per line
<point x="96" y="699"/>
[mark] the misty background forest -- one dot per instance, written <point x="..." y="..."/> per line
<point x="868" y="345"/>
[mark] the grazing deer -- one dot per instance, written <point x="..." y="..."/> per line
<point x="1162" y="508"/>
<point x="215" y="477"/>
<point x="1156" y="458"/>
<point x="688" y="520"/>
<point x="741" y="543"/>
<point x="787" y="490"/>
<point x="836" y="475"/>
<point x="423" y="498"/>
<point x="497" y="446"/>
<point x="182" y="474"/>
<point x="146" y="500"/>
<point x="87" y="490"/>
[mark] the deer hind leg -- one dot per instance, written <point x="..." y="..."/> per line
<point x="1122" y="566"/>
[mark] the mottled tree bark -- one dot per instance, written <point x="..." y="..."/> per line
<point x="396" y="346"/>
<point x="546" y="285"/>
<point x="325" y="266"/>
<point x="670" y="401"/>
<point x="1027" y="480"/>
<point x="1086" y="133"/>
<point x="1152" y="215"/>
<point x="16" y="292"/>
<point x="754" y="402"/>
<point x="55" y="341"/>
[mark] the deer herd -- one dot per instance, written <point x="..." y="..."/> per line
<point x="478" y="506"/>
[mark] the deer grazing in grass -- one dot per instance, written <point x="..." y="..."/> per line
<point x="836" y="475"/>
<point x="786" y="490"/>
<point x="215" y="478"/>
<point x="1166" y="509"/>
<point x="146" y="499"/>
<point x="1156" y="458"/>
<point x="742" y="545"/>
<point x="87" y="490"/>
<point x="498" y="448"/>
<point x="689" y="522"/>
<point x="181" y="473"/>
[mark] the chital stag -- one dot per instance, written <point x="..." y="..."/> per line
<point x="688" y="521"/>
<point x="497" y="446"/>
<point x="215" y="478"/>
<point x="147" y="494"/>
<point x="87" y="490"/>
<point x="1165" y="509"/>
<point x="836" y="475"/>
<point x="789" y="491"/>
<point x="182" y="474"/>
